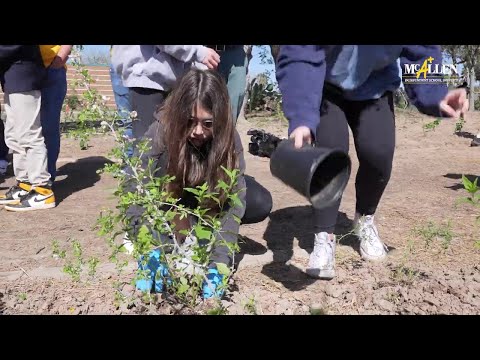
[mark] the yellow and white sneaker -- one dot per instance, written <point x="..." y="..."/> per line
<point x="39" y="198"/>
<point x="15" y="193"/>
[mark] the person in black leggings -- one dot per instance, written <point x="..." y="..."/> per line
<point x="328" y="88"/>
<point x="373" y="127"/>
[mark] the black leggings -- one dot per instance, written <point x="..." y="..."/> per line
<point x="373" y="126"/>
<point x="145" y="102"/>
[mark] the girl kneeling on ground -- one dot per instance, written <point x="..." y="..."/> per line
<point x="193" y="138"/>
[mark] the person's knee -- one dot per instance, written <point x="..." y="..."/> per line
<point x="378" y="159"/>
<point x="259" y="202"/>
<point x="264" y="203"/>
<point x="34" y="143"/>
<point x="12" y="144"/>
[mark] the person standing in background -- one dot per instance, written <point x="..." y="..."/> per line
<point x="233" y="68"/>
<point x="22" y="76"/>
<point x="150" y="71"/>
<point x="54" y="91"/>
<point x="122" y="100"/>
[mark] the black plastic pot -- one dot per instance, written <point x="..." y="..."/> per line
<point x="319" y="174"/>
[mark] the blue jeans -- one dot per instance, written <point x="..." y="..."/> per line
<point x="53" y="95"/>
<point x="233" y="68"/>
<point x="122" y="99"/>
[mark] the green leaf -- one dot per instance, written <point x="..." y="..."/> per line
<point x="471" y="187"/>
<point x="223" y="269"/>
<point x="183" y="288"/>
<point x="236" y="200"/>
<point x="231" y="173"/>
<point x="204" y="187"/>
<point x="222" y="185"/>
<point x="193" y="191"/>
<point x="202" y="232"/>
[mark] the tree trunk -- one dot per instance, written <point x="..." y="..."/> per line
<point x="472" y="90"/>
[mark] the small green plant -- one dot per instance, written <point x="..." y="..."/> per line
<point x="187" y="262"/>
<point x="22" y="296"/>
<point x="56" y="251"/>
<point x="431" y="125"/>
<point x="250" y="306"/>
<point x="74" y="264"/>
<point x="218" y="310"/>
<point x="318" y="311"/>
<point x="459" y="124"/>
<point x="410" y="249"/>
<point x="473" y="191"/>
<point x="404" y="274"/>
<point x="118" y="297"/>
<point x="432" y="231"/>
<point x="92" y="266"/>
<point x="474" y="197"/>
<point x="74" y="267"/>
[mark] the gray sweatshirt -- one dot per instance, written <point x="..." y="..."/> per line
<point x="155" y="66"/>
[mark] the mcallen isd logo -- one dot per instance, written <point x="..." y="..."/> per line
<point x="429" y="73"/>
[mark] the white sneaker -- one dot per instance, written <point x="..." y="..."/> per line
<point x="371" y="247"/>
<point x="127" y="244"/>
<point x="322" y="260"/>
<point x="3" y="167"/>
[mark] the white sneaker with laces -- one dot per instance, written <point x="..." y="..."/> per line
<point x="371" y="246"/>
<point x="322" y="259"/>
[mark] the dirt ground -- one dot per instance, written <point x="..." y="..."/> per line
<point x="433" y="266"/>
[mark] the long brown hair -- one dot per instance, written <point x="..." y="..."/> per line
<point x="190" y="166"/>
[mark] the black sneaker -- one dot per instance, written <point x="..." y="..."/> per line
<point x="15" y="193"/>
